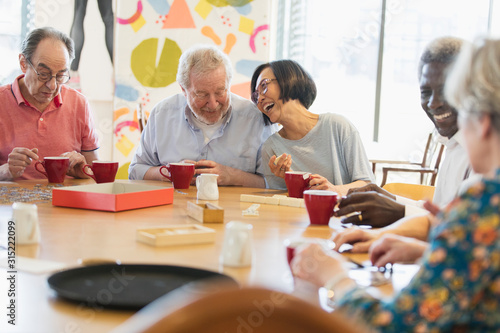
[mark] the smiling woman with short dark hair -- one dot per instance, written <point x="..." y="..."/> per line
<point x="326" y="145"/>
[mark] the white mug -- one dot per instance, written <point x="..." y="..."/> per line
<point x="25" y="217"/>
<point x="237" y="247"/>
<point x="206" y="183"/>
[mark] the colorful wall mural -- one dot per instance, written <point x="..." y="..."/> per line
<point x="149" y="39"/>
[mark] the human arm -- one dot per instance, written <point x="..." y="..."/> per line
<point x="280" y="165"/>
<point x="452" y="287"/>
<point x="229" y="176"/>
<point x="146" y="163"/>
<point x="371" y="187"/>
<point x="153" y="173"/>
<point x="326" y="265"/>
<point x="396" y="249"/>
<point x="375" y="208"/>
<point x="321" y="183"/>
<point x="414" y="226"/>
<point x="78" y="160"/>
<point x="17" y="162"/>
<point x="267" y="152"/>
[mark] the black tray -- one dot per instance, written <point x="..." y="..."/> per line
<point x="126" y="286"/>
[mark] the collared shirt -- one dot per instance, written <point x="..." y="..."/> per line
<point x="171" y="136"/>
<point x="454" y="169"/>
<point x="65" y="125"/>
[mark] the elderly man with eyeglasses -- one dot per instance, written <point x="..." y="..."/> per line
<point x="40" y="116"/>
<point x="206" y="124"/>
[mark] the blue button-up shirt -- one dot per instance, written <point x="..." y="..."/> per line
<point x="171" y="136"/>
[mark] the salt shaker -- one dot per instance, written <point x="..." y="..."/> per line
<point x="237" y="247"/>
<point x="25" y="217"/>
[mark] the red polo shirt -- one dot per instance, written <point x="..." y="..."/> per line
<point x="66" y="125"/>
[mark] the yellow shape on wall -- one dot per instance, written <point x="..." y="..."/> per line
<point x="230" y="41"/>
<point x="124" y="145"/>
<point x="123" y="171"/>
<point x="246" y="25"/>
<point x="120" y="112"/>
<point x="203" y="8"/>
<point x="210" y="33"/>
<point x="143" y="63"/>
<point x="136" y="25"/>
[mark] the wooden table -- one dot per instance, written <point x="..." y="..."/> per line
<point x="69" y="236"/>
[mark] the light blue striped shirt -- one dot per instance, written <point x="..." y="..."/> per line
<point x="171" y="136"/>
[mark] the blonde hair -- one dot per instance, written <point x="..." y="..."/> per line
<point x="473" y="85"/>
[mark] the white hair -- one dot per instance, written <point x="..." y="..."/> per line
<point x="202" y="59"/>
<point x="473" y="85"/>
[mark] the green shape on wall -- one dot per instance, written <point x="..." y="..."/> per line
<point x="233" y="3"/>
<point x="143" y="63"/>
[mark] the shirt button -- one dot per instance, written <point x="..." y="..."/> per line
<point x="41" y="119"/>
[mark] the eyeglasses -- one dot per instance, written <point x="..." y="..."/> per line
<point x="202" y="97"/>
<point x="261" y="89"/>
<point x="45" y="77"/>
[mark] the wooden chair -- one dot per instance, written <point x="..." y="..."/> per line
<point x="412" y="191"/>
<point x="429" y="166"/>
<point x="255" y="310"/>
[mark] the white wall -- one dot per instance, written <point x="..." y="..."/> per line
<point x="96" y="70"/>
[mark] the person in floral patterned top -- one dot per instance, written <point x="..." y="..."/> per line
<point x="457" y="287"/>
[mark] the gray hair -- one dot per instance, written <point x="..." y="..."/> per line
<point x="473" y="84"/>
<point x="34" y="37"/>
<point x="441" y="50"/>
<point x="202" y="59"/>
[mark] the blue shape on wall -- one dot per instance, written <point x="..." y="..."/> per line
<point x="247" y="67"/>
<point x="160" y="6"/>
<point x="127" y="93"/>
<point x="244" y="10"/>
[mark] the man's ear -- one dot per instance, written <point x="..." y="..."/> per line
<point x="183" y="90"/>
<point x="23" y="63"/>
<point x="485" y="124"/>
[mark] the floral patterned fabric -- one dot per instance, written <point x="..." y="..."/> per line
<point x="458" y="285"/>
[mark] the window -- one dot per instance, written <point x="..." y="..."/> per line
<point x="16" y="18"/>
<point x="366" y="70"/>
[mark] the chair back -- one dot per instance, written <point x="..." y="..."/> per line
<point x="428" y="168"/>
<point x="432" y="158"/>
<point x="412" y="191"/>
<point x="256" y="310"/>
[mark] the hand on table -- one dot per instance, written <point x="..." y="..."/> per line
<point x="76" y="163"/>
<point x="283" y="164"/>
<point x="18" y="160"/>
<point x="361" y="239"/>
<point x="207" y="166"/>
<point x="376" y="209"/>
<point x="391" y="249"/>
<point x="313" y="264"/>
<point x="371" y="188"/>
<point x="319" y="182"/>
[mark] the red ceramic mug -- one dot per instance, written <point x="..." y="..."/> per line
<point x="102" y="171"/>
<point x="292" y="244"/>
<point x="320" y="205"/>
<point x="55" y="168"/>
<point x="180" y="174"/>
<point x="297" y="182"/>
